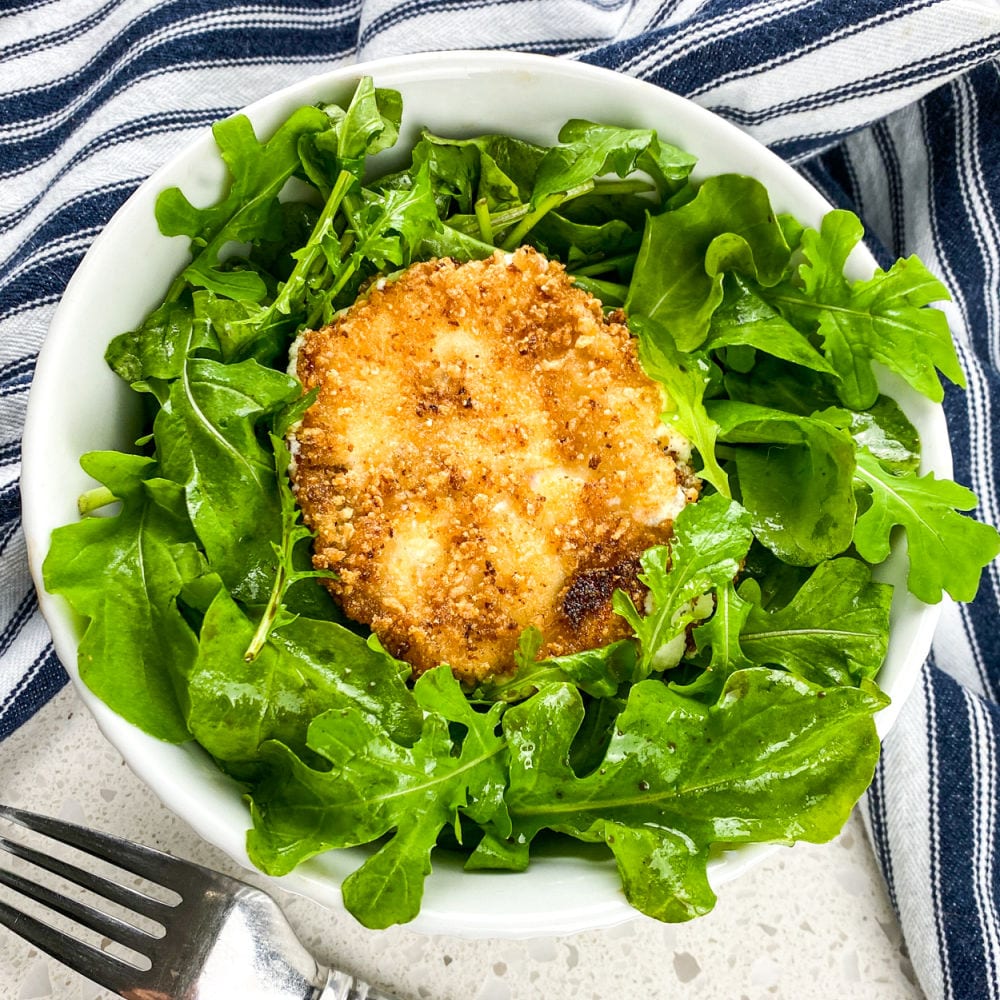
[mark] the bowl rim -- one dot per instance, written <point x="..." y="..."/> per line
<point x="314" y="878"/>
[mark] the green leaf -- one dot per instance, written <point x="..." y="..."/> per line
<point x="746" y="319"/>
<point x="370" y="125"/>
<point x="159" y="346"/>
<point x="408" y="215"/>
<point x="887" y="434"/>
<point x="795" y="478"/>
<point x="710" y="539"/>
<point x="601" y="247"/>
<point x="774" y="759"/>
<point x="599" y="672"/>
<point x="206" y="435"/>
<point x="242" y="329"/>
<point x="235" y="704"/>
<point x="387" y="228"/>
<point x="663" y="871"/>
<point x="367" y="126"/>
<point x="293" y="533"/>
<point x="834" y="631"/>
<point x="947" y="551"/>
<point x="686" y="379"/>
<point x="453" y="169"/>
<point x="376" y="785"/>
<point x="589" y="150"/>
<point x="499" y="853"/>
<point x="122" y="573"/>
<point x="445" y="241"/>
<point x="777" y="581"/>
<point x="686" y="253"/>
<point x="721" y="634"/>
<point x="389" y="887"/>
<point x="885" y="319"/>
<point x="779" y="385"/>
<point x="249" y="209"/>
<point x="500" y="168"/>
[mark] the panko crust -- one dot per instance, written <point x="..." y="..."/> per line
<point x="484" y="454"/>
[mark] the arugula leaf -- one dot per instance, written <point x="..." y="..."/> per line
<point x="777" y="580"/>
<point x="242" y="329"/>
<point x="887" y="434"/>
<point x="293" y="532"/>
<point x="159" y="346"/>
<point x="946" y="550"/>
<point x="746" y="319"/>
<point x="448" y="242"/>
<point x="779" y="385"/>
<point x="599" y="672"/>
<point x="834" y="631"/>
<point x="497" y="853"/>
<point x="686" y="253"/>
<point x="774" y="759"/>
<point x="589" y="150"/>
<point x="235" y="704"/>
<point x="481" y="188"/>
<point x="722" y="635"/>
<point x="498" y="168"/>
<point x="588" y="248"/>
<point x="883" y="428"/>
<point x="795" y="478"/>
<point x="206" y="435"/>
<point x="686" y="379"/>
<point x="386" y="231"/>
<point x="249" y="209"/>
<point x="885" y="319"/>
<point x="377" y="785"/>
<point x="367" y="126"/>
<point x="407" y="215"/>
<point x="710" y="539"/>
<point x="451" y="167"/>
<point x="370" y="125"/>
<point x="122" y="573"/>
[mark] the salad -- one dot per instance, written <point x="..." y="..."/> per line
<point x="206" y="621"/>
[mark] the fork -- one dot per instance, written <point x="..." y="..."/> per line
<point x="225" y="938"/>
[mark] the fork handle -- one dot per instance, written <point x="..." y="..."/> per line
<point x="341" y="986"/>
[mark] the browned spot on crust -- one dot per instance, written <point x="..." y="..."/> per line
<point x="484" y="454"/>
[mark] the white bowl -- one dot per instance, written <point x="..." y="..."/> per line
<point x="78" y="405"/>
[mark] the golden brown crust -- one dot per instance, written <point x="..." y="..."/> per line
<point x="484" y="454"/>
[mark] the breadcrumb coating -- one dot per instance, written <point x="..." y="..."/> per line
<point x="484" y="454"/>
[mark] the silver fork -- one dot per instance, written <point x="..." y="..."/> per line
<point x="224" y="938"/>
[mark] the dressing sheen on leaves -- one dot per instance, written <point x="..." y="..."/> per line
<point x="742" y="707"/>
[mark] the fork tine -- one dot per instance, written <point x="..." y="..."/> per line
<point x="103" y="923"/>
<point x="104" y="969"/>
<point x="122" y="894"/>
<point x="146" y="862"/>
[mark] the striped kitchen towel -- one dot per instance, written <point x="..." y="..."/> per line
<point x="891" y="107"/>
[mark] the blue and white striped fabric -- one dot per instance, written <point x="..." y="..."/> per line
<point x="891" y="107"/>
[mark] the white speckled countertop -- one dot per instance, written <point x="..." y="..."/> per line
<point x="810" y="922"/>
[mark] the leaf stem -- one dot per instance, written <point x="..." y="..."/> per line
<point x="485" y="223"/>
<point x="607" y="264"/>
<point x="546" y="205"/>
<point x="270" y="614"/>
<point x="623" y="186"/>
<point x="283" y="300"/>
<point x="95" y="499"/>
<point x="177" y="286"/>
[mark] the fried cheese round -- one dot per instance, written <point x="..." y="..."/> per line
<point x="484" y="454"/>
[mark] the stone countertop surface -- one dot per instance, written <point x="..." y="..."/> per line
<point x="808" y="922"/>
